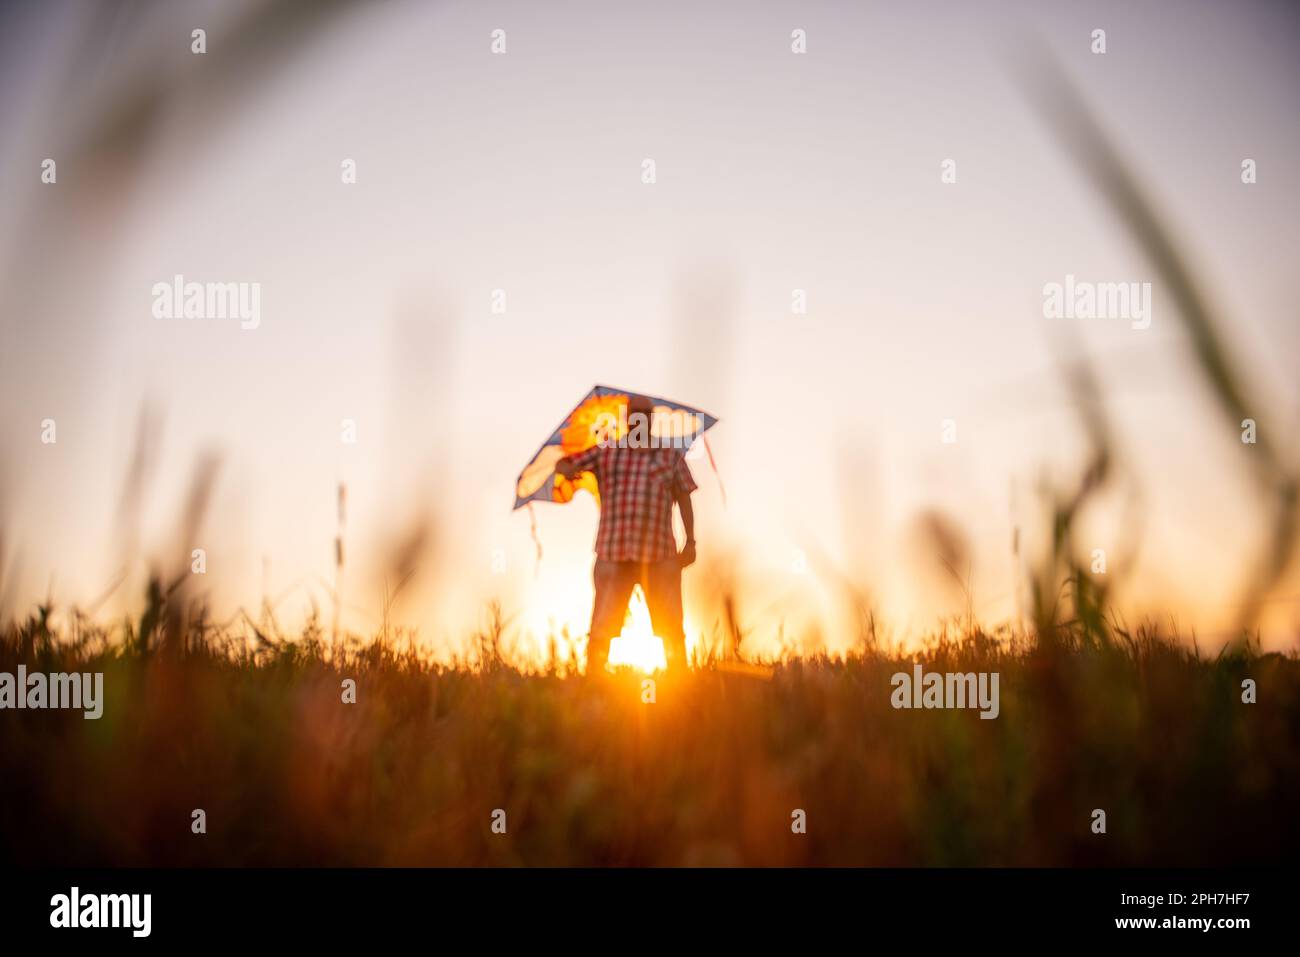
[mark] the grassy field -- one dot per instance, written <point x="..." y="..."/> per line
<point x="709" y="774"/>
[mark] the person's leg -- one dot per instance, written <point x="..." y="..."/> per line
<point x="613" y="581"/>
<point x="663" y="587"/>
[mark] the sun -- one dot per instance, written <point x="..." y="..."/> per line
<point x="637" y="645"/>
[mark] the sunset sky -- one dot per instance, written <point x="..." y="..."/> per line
<point x="522" y="172"/>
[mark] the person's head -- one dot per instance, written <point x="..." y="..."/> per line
<point x="640" y="410"/>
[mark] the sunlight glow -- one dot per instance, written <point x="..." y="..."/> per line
<point x="637" y="644"/>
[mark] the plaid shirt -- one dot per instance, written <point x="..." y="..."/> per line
<point x="637" y="487"/>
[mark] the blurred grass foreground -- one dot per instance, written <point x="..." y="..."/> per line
<point x="713" y="772"/>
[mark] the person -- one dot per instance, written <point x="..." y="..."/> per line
<point x="635" y="544"/>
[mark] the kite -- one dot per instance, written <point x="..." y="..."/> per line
<point x="602" y="417"/>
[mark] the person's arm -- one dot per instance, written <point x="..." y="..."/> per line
<point x="687" y="553"/>
<point x="683" y="486"/>
<point x="571" y="465"/>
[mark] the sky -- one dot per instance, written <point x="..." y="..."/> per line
<point x="520" y="176"/>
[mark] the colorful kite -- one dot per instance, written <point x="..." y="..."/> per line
<point x="602" y="415"/>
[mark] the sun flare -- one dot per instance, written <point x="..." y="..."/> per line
<point x="637" y="645"/>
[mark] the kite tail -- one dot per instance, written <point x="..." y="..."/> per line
<point x="714" y="465"/>
<point x="532" y="527"/>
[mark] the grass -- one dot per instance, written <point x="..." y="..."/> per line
<point x="1139" y="725"/>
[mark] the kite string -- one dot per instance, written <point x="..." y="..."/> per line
<point x="532" y="527"/>
<point x="714" y="465"/>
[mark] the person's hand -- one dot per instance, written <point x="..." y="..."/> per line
<point x="687" y="555"/>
